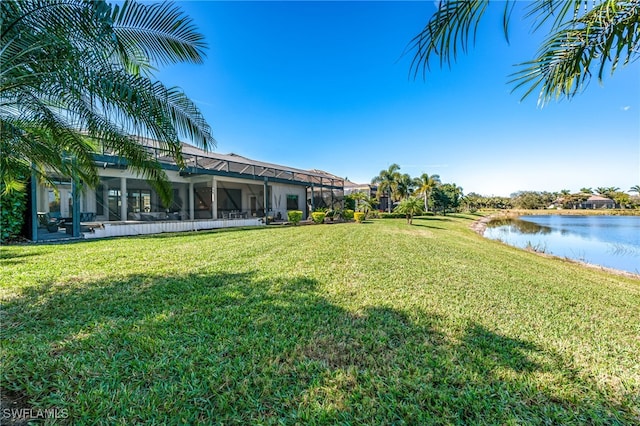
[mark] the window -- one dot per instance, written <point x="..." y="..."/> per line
<point x="229" y="199"/>
<point x="100" y="200"/>
<point x="139" y="201"/>
<point x="292" y="202"/>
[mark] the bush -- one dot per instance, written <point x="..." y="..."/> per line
<point x="12" y="207"/>
<point x="373" y="214"/>
<point x="318" y="217"/>
<point x="347" y="214"/>
<point x="295" y="216"/>
<point x="359" y="216"/>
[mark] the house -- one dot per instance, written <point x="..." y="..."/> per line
<point x="598" y="202"/>
<point x="212" y="191"/>
<point x="352" y="188"/>
<point x="368" y="189"/>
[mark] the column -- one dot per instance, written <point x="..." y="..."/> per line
<point x="266" y="200"/>
<point x="123" y="198"/>
<point x="34" y="206"/>
<point x="214" y="197"/>
<point x="332" y="199"/>
<point x="75" y="196"/>
<point x="105" y="200"/>
<point x="191" y="202"/>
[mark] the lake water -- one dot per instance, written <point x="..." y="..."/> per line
<point x="610" y="241"/>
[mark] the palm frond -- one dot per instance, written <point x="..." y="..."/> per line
<point x="72" y="77"/>
<point x="454" y="26"/>
<point x="159" y="31"/>
<point x="596" y="41"/>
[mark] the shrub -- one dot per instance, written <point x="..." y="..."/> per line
<point x="359" y="216"/>
<point x="337" y="214"/>
<point x="295" y="216"/>
<point x="373" y="214"/>
<point x="347" y="214"/>
<point x="12" y="207"/>
<point x="318" y="217"/>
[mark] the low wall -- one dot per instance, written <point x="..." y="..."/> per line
<point x="120" y="229"/>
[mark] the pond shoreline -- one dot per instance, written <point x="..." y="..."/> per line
<point x="479" y="226"/>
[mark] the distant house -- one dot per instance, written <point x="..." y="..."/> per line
<point x="212" y="191"/>
<point x="368" y="189"/>
<point x="598" y="202"/>
<point x="352" y="188"/>
<point x="590" y="202"/>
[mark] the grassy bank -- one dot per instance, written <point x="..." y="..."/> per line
<point x="566" y="212"/>
<point x="379" y="323"/>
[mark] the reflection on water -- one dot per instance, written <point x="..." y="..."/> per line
<point x="610" y="241"/>
<point x="522" y="226"/>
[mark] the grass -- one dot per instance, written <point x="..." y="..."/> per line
<point x="374" y="323"/>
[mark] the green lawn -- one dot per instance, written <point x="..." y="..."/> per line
<point x="375" y="323"/>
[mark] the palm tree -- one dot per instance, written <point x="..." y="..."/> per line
<point x="410" y="207"/>
<point x="607" y="191"/>
<point x="365" y="205"/>
<point x="76" y="77"/>
<point x="387" y="181"/>
<point x="586" y="190"/>
<point x="426" y="185"/>
<point x="635" y="188"/>
<point x="405" y="187"/>
<point x="582" y="42"/>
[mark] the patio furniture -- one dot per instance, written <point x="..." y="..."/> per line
<point x="51" y="221"/>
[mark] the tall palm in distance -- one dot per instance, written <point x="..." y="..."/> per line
<point x="387" y="181"/>
<point x="405" y="188"/>
<point x="76" y="77"/>
<point x="608" y="191"/>
<point x="585" y="38"/>
<point x="425" y="187"/>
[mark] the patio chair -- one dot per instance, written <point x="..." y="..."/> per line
<point x="49" y="221"/>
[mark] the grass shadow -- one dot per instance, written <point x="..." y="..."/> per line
<point x="12" y="257"/>
<point x="246" y="348"/>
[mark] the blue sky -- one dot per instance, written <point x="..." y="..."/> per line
<point x="326" y="85"/>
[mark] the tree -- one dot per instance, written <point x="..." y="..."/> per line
<point x="574" y="200"/>
<point x="410" y="207"/>
<point x="530" y="200"/>
<point x="76" y="77"/>
<point x="582" y="41"/>
<point x="405" y="187"/>
<point x="366" y="205"/>
<point x="635" y="188"/>
<point x="425" y="187"/>
<point x="447" y="196"/>
<point x="622" y="199"/>
<point x="608" y="191"/>
<point x="586" y="190"/>
<point x="387" y="181"/>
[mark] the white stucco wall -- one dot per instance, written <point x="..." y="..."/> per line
<point x="279" y="194"/>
